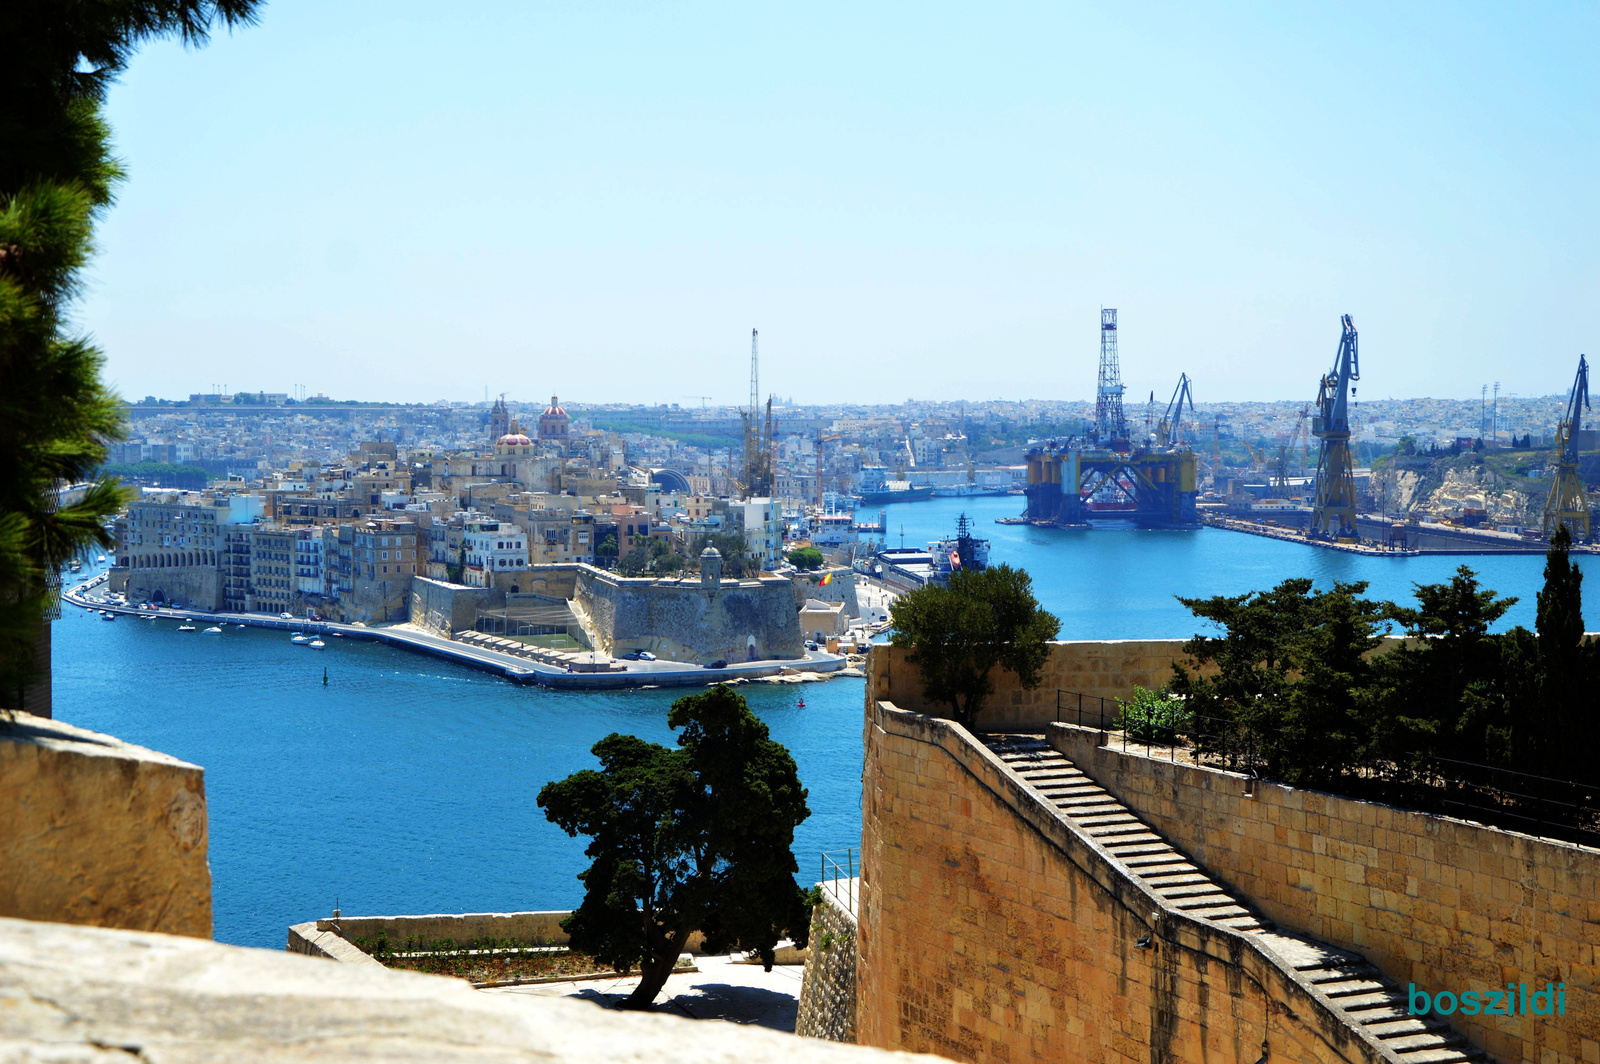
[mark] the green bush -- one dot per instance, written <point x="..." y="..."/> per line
<point x="1153" y="717"/>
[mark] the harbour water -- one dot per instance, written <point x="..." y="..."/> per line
<point x="407" y="785"/>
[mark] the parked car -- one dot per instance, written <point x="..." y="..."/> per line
<point x="811" y="644"/>
<point x="645" y="655"/>
<point x="629" y="655"/>
<point x="720" y="663"/>
<point x="287" y="616"/>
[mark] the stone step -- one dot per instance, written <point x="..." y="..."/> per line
<point x="1221" y="912"/>
<point x="1129" y="826"/>
<point x="1443" y="1055"/>
<point x="1164" y="881"/>
<point x="1349" y="987"/>
<point x="1103" y="820"/>
<point x="1242" y="923"/>
<point x="1189" y="890"/>
<point x="1083" y="810"/>
<point x="1137" y="849"/>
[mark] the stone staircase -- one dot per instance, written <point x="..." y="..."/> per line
<point x="1356" y="991"/>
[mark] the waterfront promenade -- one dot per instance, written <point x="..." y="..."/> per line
<point x="90" y="594"/>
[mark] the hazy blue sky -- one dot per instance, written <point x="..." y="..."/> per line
<point x="414" y="201"/>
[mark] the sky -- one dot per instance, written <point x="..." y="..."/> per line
<point x="409" y="202"/>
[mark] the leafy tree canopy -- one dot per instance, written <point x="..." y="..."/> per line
<point x="697" y="838"/>
<point x="806" y="558"/>
<point x="736" y="558"/>
<point x="961" y="633"/>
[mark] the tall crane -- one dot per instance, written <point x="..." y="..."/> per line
<point x="1169" y="430"/>
<point x="1333" y="513"/>
<point x="1568" y="504"/>
<point x="822" y="439"/>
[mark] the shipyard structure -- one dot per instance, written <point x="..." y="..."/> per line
<point x="1104" y="475"/>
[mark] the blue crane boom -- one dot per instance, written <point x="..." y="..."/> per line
<point x="1568" y="504"/>
<point x="1333" y="513"/>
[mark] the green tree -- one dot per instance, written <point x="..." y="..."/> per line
<point x="1292" y="666"/>
<point x="806" y="558"/>
<point x="736" y="558"/>
<point x="56" y="179"/>
<point x="607" y="547"/>
<point x="1436" y="686"/>
<point x="1560" y="716"/>
<point x="959" y="634"/>
<point x="694" y="839"/>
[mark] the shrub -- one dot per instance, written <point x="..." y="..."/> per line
<point x="1154" y="717"/>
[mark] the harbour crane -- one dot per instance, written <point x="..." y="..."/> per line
<point x="1567" y="504"/>
<point x="1333" y="511"/>
<point x="1280" y="480"/>
<point x="822" y="439"/>
<point x="1169" y="430"/>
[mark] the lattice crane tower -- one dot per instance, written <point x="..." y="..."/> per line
<point x="1333" y="514"/>
<point x="1568" y="504"/>
<point x="1109" y="424"/>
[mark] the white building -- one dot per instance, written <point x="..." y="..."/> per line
<point x="762" y="522"/>
<point x="489" y="547"/>
<point x="308" y="561"/>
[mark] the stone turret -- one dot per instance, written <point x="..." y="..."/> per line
<point x="710" y="569"/>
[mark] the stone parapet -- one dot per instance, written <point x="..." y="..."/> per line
<point x="91" y="994"/>
<point x="94" y="830"/>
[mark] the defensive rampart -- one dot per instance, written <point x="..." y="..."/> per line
<point x="735" y="620"/>
<point x="1442" y="903"/>
<point x="828" y="988"/>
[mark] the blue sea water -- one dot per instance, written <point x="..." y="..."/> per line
<point x="407" y="785"/>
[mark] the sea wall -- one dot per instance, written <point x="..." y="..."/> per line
<point x="99" y="831"/>
<point x="198" y="588"/>
<point x="992" y="928"/>
<point x="1430" y="900"/>
<point x="736" y="620"/>
<point x="828" y="987"/>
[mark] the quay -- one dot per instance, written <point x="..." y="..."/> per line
<point x="1458" y="541"/>
<point x="510" y="666"/>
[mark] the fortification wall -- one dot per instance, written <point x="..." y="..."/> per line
<point x="1109" y="668"/>
<point x="99" y="831"/>
<point x="992" y="929"/>
<point x="842" y="588"/>
<point x="445" y="608"/>
<point x="701" y="624"/>
<point x="828" y="987"/>
<point x="557" y="581"/>
<point x="1442" y="903"/>
<point x="195" y="587"/>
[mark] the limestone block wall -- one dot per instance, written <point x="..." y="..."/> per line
<point x="828" y="988"/>
<point x="706" y="624"/>
<point x="443" y="607"/>
<point x="1430" y="900"/>
<point x="99" y="831"/>
<point x="842" y="588"/>
<point x="1110" y="668"/>
<point x="197" y="587"/>
<point x="992" y="929"/>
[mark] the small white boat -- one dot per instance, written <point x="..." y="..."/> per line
<point x="299" y="639"/>
<point x="316" y="644"/>
<point x="238" y="626"/>
<point x="101" y="558"/>
<point x="186" y="627"/>
<point x="213" y="630"/>
<point x="107" y="615"/>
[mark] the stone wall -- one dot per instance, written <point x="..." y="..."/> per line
<point x="1109" y="668"/>
<point x="1442" y="903"/>
<point x="445" y="608"/>
<point x="196" y="587"/>
<point x="98" y="831"/>
<point x="697" y="623"/>
<point x="842" y="588"/>
<point x="828" y="988"/>
<point x="992" y="928"/>
<point x="333" y="937"/>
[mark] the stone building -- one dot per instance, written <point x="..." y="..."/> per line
<point x="555" y="425"/>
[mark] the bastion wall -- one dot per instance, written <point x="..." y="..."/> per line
<point x="1430" y="900"/>
<point x="445" y="608"/>
<point x="196" y="587"/>
<point x="828" y="987"/>
<point x="736" y="620"/>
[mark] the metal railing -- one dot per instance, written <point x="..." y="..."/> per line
<point x="837" y="872"/>
<point x="1489" y="793"/>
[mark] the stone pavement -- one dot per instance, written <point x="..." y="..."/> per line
<point x="722" y="989"/>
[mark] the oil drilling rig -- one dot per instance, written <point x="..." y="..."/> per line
<point x="1567" y="504"/>
<point x="1103" y="475"/>
<point x="1333" y="512"/>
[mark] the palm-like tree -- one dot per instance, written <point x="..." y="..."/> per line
<point x="57" y="416"/>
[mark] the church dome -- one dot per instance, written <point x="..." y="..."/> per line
<point x="554" y="409"/>
<point x="512" y="439"/>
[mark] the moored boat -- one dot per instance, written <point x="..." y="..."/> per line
<point x="186" y="626"/>
<point x="316" y="644"/>
<point x="299" y="639"/>
<point x="213" y="630"/>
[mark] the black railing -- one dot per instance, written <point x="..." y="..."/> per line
<point x="1521" y="800"/>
